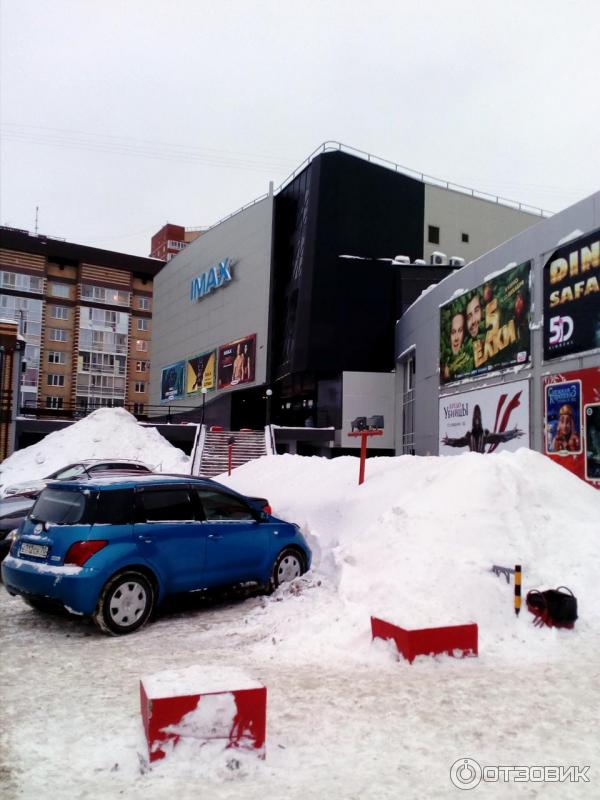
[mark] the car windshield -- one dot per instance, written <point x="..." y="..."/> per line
<point x="74" y="471"/>
<point x="60" y="508"/>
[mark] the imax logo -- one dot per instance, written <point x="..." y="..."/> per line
<point x="213" y="278"/>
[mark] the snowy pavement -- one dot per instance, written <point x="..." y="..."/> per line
<point x="359" y="728"/>
<point x="345" y="719"/>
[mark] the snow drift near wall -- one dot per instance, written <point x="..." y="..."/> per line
<point x="416" y="542"/>
<point x="106" y="433"/>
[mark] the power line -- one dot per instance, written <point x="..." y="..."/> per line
<point x="164" y="151"/>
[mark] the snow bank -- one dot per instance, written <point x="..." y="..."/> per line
<point x="416" y="542"/>
<point x="106" y="433"/>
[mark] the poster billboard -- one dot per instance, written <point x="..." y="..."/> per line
<point x="200" y="372"/>
<point x="487" y="328"/>
<point x="572" y="421"/>
<point x="237" y="362"/>
<point x="172" y="382"/>
<point x="485" y="420"/>
<point x="572" y="298"/>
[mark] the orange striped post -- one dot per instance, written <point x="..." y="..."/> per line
<point x="517" y="589"/>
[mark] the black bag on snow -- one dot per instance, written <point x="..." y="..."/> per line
<point x="554" y="607"/>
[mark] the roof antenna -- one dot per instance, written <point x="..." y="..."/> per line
<point x="37" y="208"/>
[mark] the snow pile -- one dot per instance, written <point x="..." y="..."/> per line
<point x="106" y="433"/>
<point x="416" y="542"/>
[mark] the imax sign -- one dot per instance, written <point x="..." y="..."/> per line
<point x="213" y="278"/>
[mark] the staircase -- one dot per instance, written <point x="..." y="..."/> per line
<point x="212" y="457"/>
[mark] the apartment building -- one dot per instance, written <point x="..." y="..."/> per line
<point x="86" y="317"/>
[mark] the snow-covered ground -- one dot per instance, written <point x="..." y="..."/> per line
<point x="345" y="719"/>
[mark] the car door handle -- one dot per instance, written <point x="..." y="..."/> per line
<point x="146" y="539"/>
<point x="214" y="536"/>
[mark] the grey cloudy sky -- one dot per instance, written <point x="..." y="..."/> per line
<point x="118" y="115"/>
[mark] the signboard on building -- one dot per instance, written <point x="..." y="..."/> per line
<point x="572" y="298"/>
<point x="237" y="362"/>
<point x="201" y="372"/>
<point x="572" y="421"/>
<point x="485" y="420"/>
<point x="487" y="328"/>
<point x="172" y="382"/>
<point x="212" y="279"/>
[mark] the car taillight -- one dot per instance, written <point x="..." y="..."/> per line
<point x="79" y="552"/>
<point x="267" y="509"/>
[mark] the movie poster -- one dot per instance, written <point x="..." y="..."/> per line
<point x="487" y="328"/>
<point x="572" y="421"/>
<point x="572" y="298"/>
<point x="592" y="442"/>
<point x="563" y="418"/>
<point x="485" y="420"/>
<point x="200" y="372"/>
<point x="237" y="362"/>
<point x="172" y="382"/>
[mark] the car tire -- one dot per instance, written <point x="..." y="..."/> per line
<point x="289" y="564"/>
<point x="125" y="603"/>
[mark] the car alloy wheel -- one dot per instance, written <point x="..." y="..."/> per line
<point x="125" y="603"/>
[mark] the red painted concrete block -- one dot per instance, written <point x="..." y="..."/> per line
<point x="428" y="641"/>
<point x="206" y="705"/>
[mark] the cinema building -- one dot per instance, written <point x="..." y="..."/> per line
<point x="285" y="311"/>
<point x="516" y="335"/>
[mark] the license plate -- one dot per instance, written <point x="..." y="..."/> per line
<point x="36" y="550"/>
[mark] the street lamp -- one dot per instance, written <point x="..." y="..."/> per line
<point x="269" y="394"/>
<point x="204" y="390"/>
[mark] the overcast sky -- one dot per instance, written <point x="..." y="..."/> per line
<point x="119" y="115"/>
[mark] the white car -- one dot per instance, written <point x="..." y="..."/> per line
<point x="32" y="488"/>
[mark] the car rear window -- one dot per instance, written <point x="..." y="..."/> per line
<point x="60" y="508"/>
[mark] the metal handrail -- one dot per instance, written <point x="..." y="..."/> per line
<point x="331" y="145"/>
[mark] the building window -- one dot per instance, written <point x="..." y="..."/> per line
<point x="433" y="235"/>
<point x="142" y="324"/>
<point x="138" y="408"/>
<point x="464" y="237"/>
<point x="144" y="303"/>
<point x="140" y="387"/>
<point x="15" y="280"/>
<point x="54" y="402"/>
<point x="56" y="380"/>
<point x="59" y="312"/>
<point x="101" y="295"/>
<point x="56" y="357"/>
<point x="141" y="345"/>
<point x="58" y="335"/>
<point x="408" y="404"/>
<point x="141" y="366"/>
<point x="173" y="244"/>
<point x="59" y="289"/>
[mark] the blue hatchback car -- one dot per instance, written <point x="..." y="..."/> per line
<point x="113" y="549"/>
